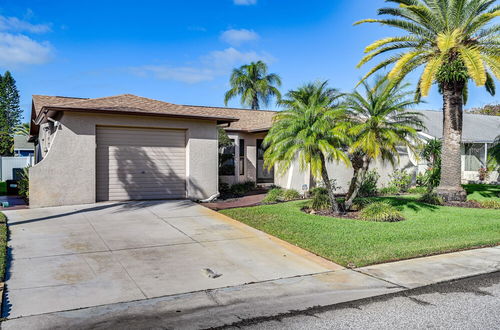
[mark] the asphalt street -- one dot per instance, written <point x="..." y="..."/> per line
<point x="472" y="303"/>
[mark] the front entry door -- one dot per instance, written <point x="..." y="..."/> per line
<point x="263" y="175"/>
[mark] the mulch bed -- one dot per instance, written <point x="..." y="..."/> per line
<point x="329" y="213"/>
<point x="467" y="204"/>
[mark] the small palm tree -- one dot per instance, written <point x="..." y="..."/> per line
<point x="255" y="86"/>
<point x="22" y="129"/>
<point x="379" y="123"/>
<point x="306" y="130"/>
<point x="454" y="42"/>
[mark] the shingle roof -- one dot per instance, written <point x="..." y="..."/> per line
<point x="243" y="120"/>
<point x="132" y="104"/>
<point x="40" y="101"/>
<point x="477" y="128"/>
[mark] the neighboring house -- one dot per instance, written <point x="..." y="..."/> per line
<point x="12" y="167"/>
<point x="127" y="147"/>
<point x="479" y="133"/>
<point x="22" y="147"/>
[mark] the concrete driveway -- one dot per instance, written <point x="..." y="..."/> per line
<point x="64" y="258"/>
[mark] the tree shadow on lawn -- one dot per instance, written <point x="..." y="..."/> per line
<point x="409" y="202"/>
<point x="487" y="191"/>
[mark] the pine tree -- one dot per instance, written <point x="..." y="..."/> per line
<point x="10" y="112"/>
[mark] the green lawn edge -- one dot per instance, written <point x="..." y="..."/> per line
<point x="428" y="230"/>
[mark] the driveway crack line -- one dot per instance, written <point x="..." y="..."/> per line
<point x="115" y="257"/>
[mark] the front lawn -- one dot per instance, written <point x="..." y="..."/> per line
<point x="482" y="192"/>
<point x="428" y="230"/>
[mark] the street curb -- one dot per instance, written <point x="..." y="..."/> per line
<point x="231" y="306"/>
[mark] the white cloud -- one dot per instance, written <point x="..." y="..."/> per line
<point x="185" y="74"/>
<point x="214" y="64"/>
<point x="17" y="25"/>
<point x="237" y="37"/>
<point x="20" y="49"/>
<point x="244" y="2"/>
<point x="229" y="57"/>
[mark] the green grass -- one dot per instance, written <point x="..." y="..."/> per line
<point x="428" y="230"/>
<point x="482" y="192"/>
<point x="3" y="188"/>
<point x="3" y="245"/>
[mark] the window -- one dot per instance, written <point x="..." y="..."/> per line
<point x="226" y="160"/>
<point x="474" y="156"/>
<point x="242" y="157"/>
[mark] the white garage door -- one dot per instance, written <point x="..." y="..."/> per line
<point x="140" y="163"/>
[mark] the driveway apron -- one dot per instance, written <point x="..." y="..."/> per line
<point x="70" y="257"/>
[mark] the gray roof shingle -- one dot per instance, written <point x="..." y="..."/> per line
<point x="477" y="128"/>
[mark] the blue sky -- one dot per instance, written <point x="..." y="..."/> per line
<point x="183" y="51"/>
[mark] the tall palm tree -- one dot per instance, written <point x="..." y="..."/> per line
<point x="306" y="129"/>
<point x="454" y="41"/>
<point x="255" y="86"/>
<point x="379" y="123"/>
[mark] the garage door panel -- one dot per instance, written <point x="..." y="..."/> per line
<point x="140" y="163"/>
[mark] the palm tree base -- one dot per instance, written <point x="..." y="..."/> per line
<point x="452" y="194"/>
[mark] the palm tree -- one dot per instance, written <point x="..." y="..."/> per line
<point x="306" y="130"/>
<point x="379" y="123"/>
<point x="454" y="42"/>
<point x="255" y="86"/>
<point x="22" y="129"/>
<point x="431" y="152"/>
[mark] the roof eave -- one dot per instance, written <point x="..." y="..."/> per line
<point x="46" y="109"/>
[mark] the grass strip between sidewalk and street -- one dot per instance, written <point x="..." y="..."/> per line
<point x="428" y="230"/>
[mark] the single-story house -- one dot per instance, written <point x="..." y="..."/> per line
<point x="479" y="133"/>
<point x="23" y="147"/>
<point x="122" y="147"/>
<point x="127" y="147"/>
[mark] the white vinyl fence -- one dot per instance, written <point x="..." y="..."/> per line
<point x="8" y="164"/>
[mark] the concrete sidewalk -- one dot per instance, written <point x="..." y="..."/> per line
<point x="225" y="306"/>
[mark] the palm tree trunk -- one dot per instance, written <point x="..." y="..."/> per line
<point x="356" y="183"/>
<point x="450" y="187"/>
<point x="255" y="103"/>
<point x="328" y="186"/>
<point x="356" y="159"/>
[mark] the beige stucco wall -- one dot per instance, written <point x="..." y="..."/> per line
<point x="294" y="178"/>
<point x="66" y="175"/>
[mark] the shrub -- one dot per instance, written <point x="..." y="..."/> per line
<point x="291" y="194"/>
<point x="400" y="179"/>
<point x="381" y="212"/>
<point x="418" y="190"/>
<point x="390" y="190"/>
<point x="432" y="177"/>
<point x="360" y="203"/>
<point x="224" y="188"/>
<point x="490" y="204"/>
<point x="368" y="187"/>
<point x="3" y="218"/>
<point x="320" y="199"/>
<point x="431" y="198"/>
<point x="273" y="196"/>
<point x="483" y="174"/>
<point x="420" y="180"/>
<point x="240" y="189"/>
<point x="23" y="184"/>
